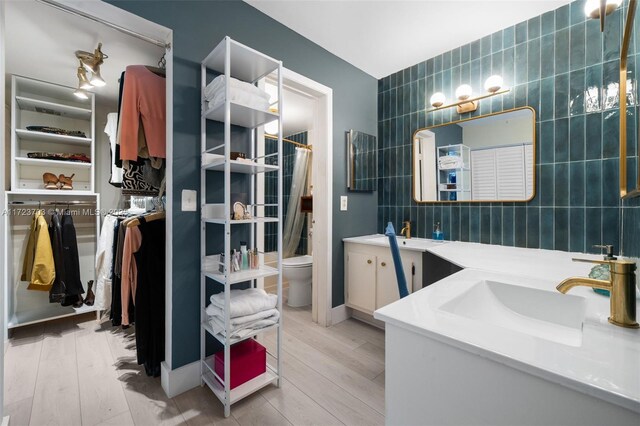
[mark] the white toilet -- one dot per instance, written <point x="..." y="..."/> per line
<point x="297" y="271"/>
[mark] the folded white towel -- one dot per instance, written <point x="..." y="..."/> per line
<point x="450" y="162"/>
<point x="218" y="84"/>
<point x="246" y="302"/>
<point x="240" y="97"/>
<point x="241" y="324"/>
<point x="244" y="332"/>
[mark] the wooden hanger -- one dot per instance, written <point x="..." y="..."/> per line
<point x="147" y="218"/>
<point x="157" y="71"/>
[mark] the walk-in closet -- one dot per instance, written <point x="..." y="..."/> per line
<point x="85" y="201"/>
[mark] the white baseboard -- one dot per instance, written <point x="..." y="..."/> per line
<point x="339" y="314"/>
<point x="5" y="421"/>
<point x="369" y="319"/>
<point x="180" y="380"/>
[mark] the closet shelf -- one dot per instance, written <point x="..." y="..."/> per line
<point x="56" y="192"/>
<point x="244" y="167"/>
<point x="26" y="161"/>
<point x="241" y="115"/>
<point x="246" y="63"/>
<point x="53" y="108"/>
<point x="244" y="390"/>
<point x="233" y="341"/>
<point x="52" y="137"/>
<point x="50" y="312"/>
<point x="211" y="271"/>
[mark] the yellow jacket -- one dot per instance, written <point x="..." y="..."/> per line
<point x="38" y="267"/>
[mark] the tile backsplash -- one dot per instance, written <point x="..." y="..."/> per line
<point x="548" y="62"/>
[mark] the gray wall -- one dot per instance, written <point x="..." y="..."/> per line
<point x="198" y="26"/>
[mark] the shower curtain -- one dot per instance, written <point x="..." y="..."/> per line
<point x="293" y="224"/>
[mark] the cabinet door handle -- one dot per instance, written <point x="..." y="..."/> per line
<point x="369" y="261"/>
<point x="383" y="264"/>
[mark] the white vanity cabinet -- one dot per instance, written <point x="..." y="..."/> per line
<point x="370" y="277"/>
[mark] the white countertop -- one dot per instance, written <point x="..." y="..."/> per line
<point x="607" y="363"/>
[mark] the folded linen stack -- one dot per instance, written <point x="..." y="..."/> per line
<point x="239" y="92"/>
<point x="447" y="162"/>
<point x="250" y="310"/>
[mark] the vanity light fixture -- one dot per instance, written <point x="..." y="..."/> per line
<point x="90" y="62"/>
<point x="598" y="9"/>
<point x="465" y="102"/>
<point x="438" y="99"/>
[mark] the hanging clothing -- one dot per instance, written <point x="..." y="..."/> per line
<point x="73" y="285"/>
<point x="57" y="292"/>
<point x="143" y="101"/>
<point x="150" y="300"/>
<point x="38" y="266"/>
<point x="117" y="307"/>
<point x="104" y="261"/>
<point x="132" y="242"/>
<point x="111" y="129"/>
<point x="115" y="314"/>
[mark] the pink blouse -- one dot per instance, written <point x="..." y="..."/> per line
<point x="143" y="100"/>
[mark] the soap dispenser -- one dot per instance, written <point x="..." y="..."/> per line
<point x="437" y="233"/>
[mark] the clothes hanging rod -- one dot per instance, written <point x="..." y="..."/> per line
<point x="116" y="27"/>
<point x="301" y="145"/>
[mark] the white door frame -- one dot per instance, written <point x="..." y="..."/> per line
<point x="3" y="218"/>
<point x="322" y="184"/>
<point x="127" y="22"/>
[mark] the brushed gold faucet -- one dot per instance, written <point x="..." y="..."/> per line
<point x="621" y="285"/>
<point x="407" y="229"/>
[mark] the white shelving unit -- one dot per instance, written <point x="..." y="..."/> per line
<point x="40" y="103"/>
<point x="462" y="185"/>
<point x="238" y="61"/>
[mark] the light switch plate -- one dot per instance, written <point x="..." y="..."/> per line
<point x="343" y="203"/>
<point x="189" y="203"/>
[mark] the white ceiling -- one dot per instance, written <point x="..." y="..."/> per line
<point x="382" y="37"/>
<point x="41" y="41"/>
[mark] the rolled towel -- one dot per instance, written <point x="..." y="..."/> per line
<point x="246" y="302"/>
<point x="218" y="84"/>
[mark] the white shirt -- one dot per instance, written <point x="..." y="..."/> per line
<point x="111" y="129"/>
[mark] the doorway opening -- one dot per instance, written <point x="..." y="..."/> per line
<point x="307" y="130"/>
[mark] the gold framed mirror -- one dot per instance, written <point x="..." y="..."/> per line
<point x="490" y="158"/>
<point x="629" y="111"/>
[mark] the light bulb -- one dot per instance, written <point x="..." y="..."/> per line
<point x="592" y="7"/>
<point x="437" y="99"/>
<point x="97" y="80"/>
<point x="493" y="84"/>
<point x="271" y="128"/>
<point x="81" y="94"/>
<point x="463" y="92"/>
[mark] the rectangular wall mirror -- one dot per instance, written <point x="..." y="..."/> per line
<point x="362" y="161"/>
<point x="486" y="158"/>
<point x="629" y="110"/>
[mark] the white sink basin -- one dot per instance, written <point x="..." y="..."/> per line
<point x="548" y="315"/>
<point x="412" y="243"/>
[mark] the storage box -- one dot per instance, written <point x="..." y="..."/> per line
<point x="248" y="360"/>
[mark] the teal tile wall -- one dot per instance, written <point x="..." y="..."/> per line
<point x="548" y="62"/>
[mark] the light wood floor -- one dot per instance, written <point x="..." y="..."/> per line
<point x="74" y="371"/>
